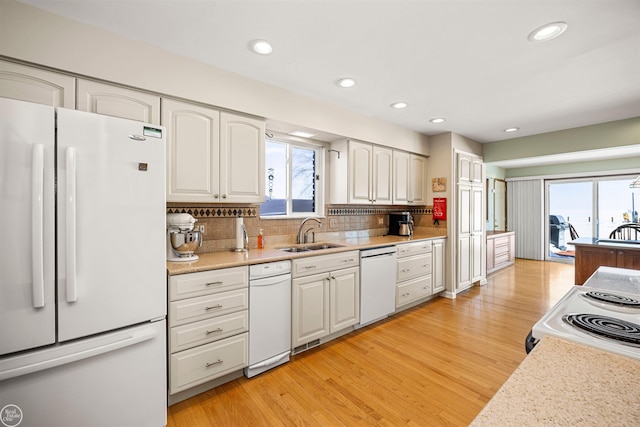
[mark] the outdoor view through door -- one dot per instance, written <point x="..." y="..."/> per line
<point x="591" y="207"/>
<point x="292" y="174"/>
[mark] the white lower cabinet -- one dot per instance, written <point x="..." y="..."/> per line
<point x="420" y="271"/>
<point x="208" y="326"/>
<point x="326" y="302"/>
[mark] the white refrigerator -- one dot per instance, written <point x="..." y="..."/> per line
<point x="82" y="269"/>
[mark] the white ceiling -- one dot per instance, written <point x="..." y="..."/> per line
<point x="468" y="61"/>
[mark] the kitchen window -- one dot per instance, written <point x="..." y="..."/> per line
<point x="293" y="180"/>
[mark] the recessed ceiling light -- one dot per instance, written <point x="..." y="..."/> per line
<point x="437" y="120"/>
<point x="261" y="47"/>
<point x="399" y="105"/>
<point x="547" y="32"/>
<point x="346" y="82"/>
<point x="301" y="134"/>
<point x="511" y="129"/>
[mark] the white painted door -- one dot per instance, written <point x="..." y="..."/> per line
<point x="382" y="177"/>
<point x="401" y="177"/>
<point x="345" y="298"/>
<point x="35" y="85"/>
<point x="110" y="223"/>
<point x="242" y="178"/>
<point x="438" y="266"/>
<point x="27" y="276"/>
<point x="310" y="309"/>
<point x="360" y="172"/>
<point x="100" y="98"/>
<point x="418" y="177"/>
<point x="193" y="149"/>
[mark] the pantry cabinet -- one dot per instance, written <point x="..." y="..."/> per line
<point x="36" y="85"/>
<point x="212" y="157"/>
<point x="208" y="322"/>
<point x="112" y="100"/>
<point x="325" y="302"/>
<point x="409" y="178"/>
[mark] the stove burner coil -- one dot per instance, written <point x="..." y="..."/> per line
<point x="606" y="327"/>
<point x="608" y="298"/>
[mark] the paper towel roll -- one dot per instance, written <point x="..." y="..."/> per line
<point x="239" y="233"/>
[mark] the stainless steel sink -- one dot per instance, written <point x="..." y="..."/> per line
<point x="312" y="247"/>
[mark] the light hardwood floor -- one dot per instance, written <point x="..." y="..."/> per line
<point x="435" y="364"/>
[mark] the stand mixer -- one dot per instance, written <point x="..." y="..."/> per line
<point x="182" y="238"/>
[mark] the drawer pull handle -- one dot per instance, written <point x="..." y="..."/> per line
<point x="307" y="267"/>
<point x="404" y="270"/>
<point x="213" y="306"/>
<point x="348" y="260"/>
<point x="217" y="362"/>
<point x="219" y="282"/>
<point x="406" y="294"/>
<point x="214" y="331"/>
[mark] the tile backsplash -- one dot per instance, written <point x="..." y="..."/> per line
<point x="339" y="222"/>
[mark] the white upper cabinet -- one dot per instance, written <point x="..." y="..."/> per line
<point x="193" y="147"/>
<point x="212" y="157"/>
<point x="36" y="85"/>
<point x="409" y="177"/>
<point x="362" y="174"/>
<point x="242" y="149"/>
<point x="116" y="101"/>
<point x="469" y="169"/>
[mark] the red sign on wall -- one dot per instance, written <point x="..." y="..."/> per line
<point x="440" y="208"/>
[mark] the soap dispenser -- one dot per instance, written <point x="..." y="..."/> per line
<point x="261" y="240"/>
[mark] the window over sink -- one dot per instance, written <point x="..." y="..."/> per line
<point x="293" y="179"/>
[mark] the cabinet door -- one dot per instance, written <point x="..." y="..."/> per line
<point x="360" y="172"/>
<point x="477" y="233"/>
<point x="589" y="258"/>
<point x="36" y="85"/>
<point x="437" y="265"/>
<point x="310" y="309"/>
<point x="241" y="159"/>
<point x="417" y="178"/>
<point x="382" y="177"/>
<point x="193" y="147"/>
<point x="345" y="298"/>
<point x="116" y="101"/>
<point x="401" y="177"/>
<point x="490" y="254"/>
<point x="629" y="259"/>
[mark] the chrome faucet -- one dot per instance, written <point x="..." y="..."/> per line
<point x="305" y="238"/>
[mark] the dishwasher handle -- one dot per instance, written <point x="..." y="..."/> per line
<point x="270" y="281"/>
<point x="384" y="251"/>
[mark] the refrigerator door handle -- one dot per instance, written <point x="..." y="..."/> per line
<point x="70" y="237"/>
<point x="37" y="226"/>
<point x="37" y="364"/>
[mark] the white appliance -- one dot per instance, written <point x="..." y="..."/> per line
<point x="269" y="316"/>
<point x="377" y="284"/>
<point x="602" y="314"/>
<point x="82" y="269"/>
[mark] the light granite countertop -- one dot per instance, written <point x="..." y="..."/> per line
<point x="561" y="383"/>
<point x="215" y="260"/>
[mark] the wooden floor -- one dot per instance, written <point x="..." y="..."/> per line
<point x="435" y="364"/>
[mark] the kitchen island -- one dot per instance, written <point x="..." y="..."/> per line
<point x="592" y="253"/>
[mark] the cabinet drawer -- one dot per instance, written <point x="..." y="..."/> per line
<point x="322" y="263"/>
<point x="501" y="259"/>
<point x="207" y="282"/>
<point x="206" y="331"/>
<point x="501" y="250"/>
<point x="413" y="248"/>
<point x="414" y="266"/>
<point x="501" y="241"/>
<point x="412" y="290"/>
<point x="200" y="308"/>
<point x="206" y="362"/>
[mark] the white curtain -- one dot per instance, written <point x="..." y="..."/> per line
<point x="525" y="216"/>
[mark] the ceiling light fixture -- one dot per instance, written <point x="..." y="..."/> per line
<point x="437" y="120"/>
<point x="346" y="82"/>
<point x="511" y="129"/>
<point x="398" y="105"/>
<point x="301" y="134"/>
<point x="261" y="47"/>
<point x="547" y="32"/>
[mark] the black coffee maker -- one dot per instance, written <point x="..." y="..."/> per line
<point x="400" y="224"/>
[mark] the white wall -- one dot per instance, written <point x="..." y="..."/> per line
<point x="33" y="35"/>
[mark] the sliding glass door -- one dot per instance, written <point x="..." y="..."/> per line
<point x="590" y="207"/>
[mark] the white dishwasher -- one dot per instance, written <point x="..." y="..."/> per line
<point x="269" y="316"/>
<point x="377" y="283"/>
